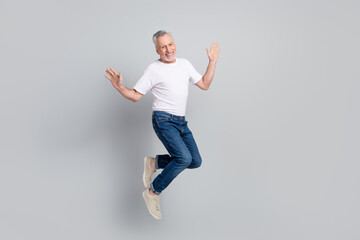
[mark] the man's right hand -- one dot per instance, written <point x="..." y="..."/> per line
<point x="115" y="78"/>
<point x="117" y="81"/>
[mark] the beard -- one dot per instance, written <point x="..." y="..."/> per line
<point x="169" y="59"/>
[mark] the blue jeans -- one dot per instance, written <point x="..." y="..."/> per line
<point x="178" y="140"/>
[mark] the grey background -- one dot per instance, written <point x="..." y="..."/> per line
<point x="278" y="130"/>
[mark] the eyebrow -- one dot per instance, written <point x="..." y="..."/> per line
<point x="166" y="44"/>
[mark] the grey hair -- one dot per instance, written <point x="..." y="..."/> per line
<point x="159" y="34"/>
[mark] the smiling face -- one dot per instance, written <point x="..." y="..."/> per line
<point x="166" y="48"/>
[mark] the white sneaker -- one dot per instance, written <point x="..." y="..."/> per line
<point x="152" y="204"/>
<point x="148" y="171"/>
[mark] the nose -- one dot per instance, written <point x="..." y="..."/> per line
<point x="167" y="49"/>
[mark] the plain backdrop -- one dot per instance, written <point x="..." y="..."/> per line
<point x="278" y="129"/>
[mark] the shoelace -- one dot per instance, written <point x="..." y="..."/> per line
<point x="156" y="204"/>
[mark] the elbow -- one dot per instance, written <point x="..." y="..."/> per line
<point x="206" y="88"/>
<point x="135" y="99"/>
<point x="136" y="96"/>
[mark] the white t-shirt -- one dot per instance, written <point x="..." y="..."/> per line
<point x="169" y="83"/>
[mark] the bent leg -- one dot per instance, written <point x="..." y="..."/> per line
<point x="161" y="161"/>
<point x="181" y="156"/>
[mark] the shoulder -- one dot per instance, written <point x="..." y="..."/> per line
<point x="151" y="67"/>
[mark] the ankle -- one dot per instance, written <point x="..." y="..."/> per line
<point x="152" y="193"/>
<point x="152" y="164"/>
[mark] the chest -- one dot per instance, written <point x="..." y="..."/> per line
<point x="172" y="79"/>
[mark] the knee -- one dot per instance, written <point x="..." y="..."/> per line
<point x="196" y="162"/>
<point x="185" y="160"/>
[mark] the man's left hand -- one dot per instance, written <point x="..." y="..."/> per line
<point x="214" y="52"/>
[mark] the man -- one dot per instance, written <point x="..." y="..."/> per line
<point x="168" y="78"/>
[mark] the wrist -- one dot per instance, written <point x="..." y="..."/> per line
<point x="121" y="88"/>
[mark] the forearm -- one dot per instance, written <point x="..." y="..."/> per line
<point x="209" y="74"/>
<point x="129" y="94"/>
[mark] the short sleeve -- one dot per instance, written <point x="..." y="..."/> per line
<point x="143" y="85"/>
<point x="194" y="75"/>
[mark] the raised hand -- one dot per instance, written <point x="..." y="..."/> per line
<point x="115" y="78"/>
<point x="214" y="52"/>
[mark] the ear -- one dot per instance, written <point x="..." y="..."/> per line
<point x="157" y="51"/>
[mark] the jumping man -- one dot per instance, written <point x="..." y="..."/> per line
<point x="168" y="78"/>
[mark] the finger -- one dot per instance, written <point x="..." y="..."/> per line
<point x="207" y="50"/>
<point x="113" y="71"/>
<point x="212" y="48"/>
<point x="120" y="75"/>
<point x="108" y="77"/>
<point x="110" y="73"/>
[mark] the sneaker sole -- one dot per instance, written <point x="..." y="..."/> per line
<point x="157" y="218"/>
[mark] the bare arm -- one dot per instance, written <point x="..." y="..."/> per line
<point x="117" y="81"/>
<point x="206" y="80"/>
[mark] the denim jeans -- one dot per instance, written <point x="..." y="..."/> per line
<point x="173" y="132"/>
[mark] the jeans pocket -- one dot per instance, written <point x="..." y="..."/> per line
<point x="163" y="118"/>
